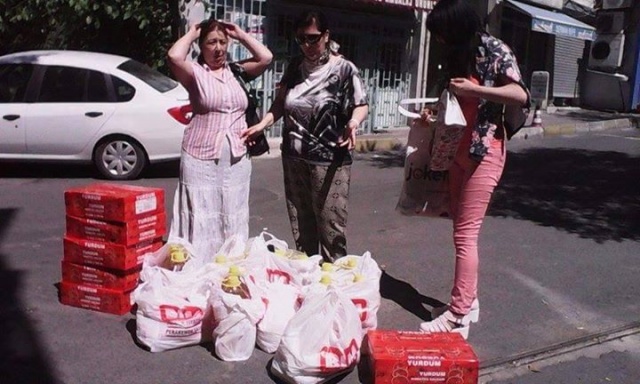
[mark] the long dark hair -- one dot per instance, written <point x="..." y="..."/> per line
<point x="457" y="25"/>
<point x="206" y="27"/>
<point x="307" y="18"/>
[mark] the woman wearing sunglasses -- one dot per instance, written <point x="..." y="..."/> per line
<point x="211" y="201"/>
<point x="322" y="99"/>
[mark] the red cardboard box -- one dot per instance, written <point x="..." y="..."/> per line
<point x="128" y="233"/>
<point x="114" y="202"/>
<point x="94" y="298"/>
<point x="415" y="357"/>
<point x="102" y="278"/>
<point x="107" y="255"/>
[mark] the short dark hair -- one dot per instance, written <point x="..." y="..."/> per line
<point x="308" y="18"/>
<point x="454" y="21"/>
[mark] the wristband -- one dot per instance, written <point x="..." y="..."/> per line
<point x="355" y="121"/>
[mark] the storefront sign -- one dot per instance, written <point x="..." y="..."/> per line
<point x="546" y="26"/>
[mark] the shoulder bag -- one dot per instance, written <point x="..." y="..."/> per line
<point x="261" y="145"/>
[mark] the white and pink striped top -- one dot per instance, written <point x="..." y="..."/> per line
<point x="218" y="112"/>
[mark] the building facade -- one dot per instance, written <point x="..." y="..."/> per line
<point x="384" y="38"/>
<point x="611" y="79"/>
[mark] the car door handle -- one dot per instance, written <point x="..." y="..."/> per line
<point x="93" y="114"/>
<point x="11" y="117"/>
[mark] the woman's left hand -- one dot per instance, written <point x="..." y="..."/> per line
<point x="349" y="137"/>
<point x="462" y="87"/>
<point x="233" y="30"/>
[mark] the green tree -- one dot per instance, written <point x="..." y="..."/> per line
<point x="139" y="29"/>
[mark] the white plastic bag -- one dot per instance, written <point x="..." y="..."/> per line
<point x="173" y="310"/>
<point x="361" y="284"/>
<point x="321" y="341"/>
<point x="236" y="251"/>
<point x="235" y="321"/>
<point x="449" y="128"/>
<point x="277" y="268"/>
<point x="282" y="303"/>
<point x="160" y="257"/>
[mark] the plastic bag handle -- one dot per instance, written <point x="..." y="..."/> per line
<point x="424" y="100"/>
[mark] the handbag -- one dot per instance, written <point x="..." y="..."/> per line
<point x="261" y="145"/>
<point x="450" y="125"/>
<point x="425" y="192"/>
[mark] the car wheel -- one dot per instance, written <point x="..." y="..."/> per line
<point x="119" y="158"/>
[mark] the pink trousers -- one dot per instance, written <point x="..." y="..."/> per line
<point x="472" y="185"/>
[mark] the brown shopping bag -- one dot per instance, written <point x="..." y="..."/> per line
<point x="424" y="192"/>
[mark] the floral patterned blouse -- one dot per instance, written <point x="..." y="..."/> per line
<point x="493" y="58"/>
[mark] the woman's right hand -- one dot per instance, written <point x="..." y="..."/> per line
<point x="194" y="31"/>
<point x="427" y="115"/>
<point x="247" y="136"/>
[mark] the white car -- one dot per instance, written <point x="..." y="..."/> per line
<point x="110" y="110"/>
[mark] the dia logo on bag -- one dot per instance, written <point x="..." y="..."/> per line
<point x="332" y="358"/>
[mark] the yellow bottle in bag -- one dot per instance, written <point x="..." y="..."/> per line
<point x="349" y="263"/>
<point x="325" y="279"/>
<point x="178" y="256"/>
<point x="357" y="277"/>
<point x="234" y="285"/>
<point x="327" y="267"/>
<point x="220" y="259"/>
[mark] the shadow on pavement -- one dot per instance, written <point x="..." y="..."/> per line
<point x="23" y="359"/>
<point x="590" y="193"/>
<point x="406" y="296"/>
<point x="168" y="169"/>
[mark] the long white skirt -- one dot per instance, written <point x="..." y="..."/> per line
<point x="211" y="202"/>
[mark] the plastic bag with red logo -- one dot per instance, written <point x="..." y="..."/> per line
<point x="321" y="341"/>
<point x="358" y="277"/>
<point x="235" y="317"/>
<point x="282" y="301"/>
<point x="173" y="309"/>
<point x="282" y="264"/>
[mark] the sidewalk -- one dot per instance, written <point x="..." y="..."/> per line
<point x="555" y="121"/>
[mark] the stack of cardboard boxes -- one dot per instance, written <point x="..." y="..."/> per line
<point x="109" y="228"/>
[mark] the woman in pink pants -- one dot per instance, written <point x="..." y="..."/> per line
<point x="484" y="76"/>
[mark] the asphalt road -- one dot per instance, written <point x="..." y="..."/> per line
<point x="559" y="262"/>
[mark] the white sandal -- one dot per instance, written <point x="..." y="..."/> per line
<point x="474" y="312"/>
<point x="446" y="321"/>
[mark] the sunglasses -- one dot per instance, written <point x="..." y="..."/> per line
<point x="309" y="39"/>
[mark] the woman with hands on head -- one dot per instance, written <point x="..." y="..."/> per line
<point x="484" y="76"/>
<point x="211" y="202"/>
<point x="322" y="99"/>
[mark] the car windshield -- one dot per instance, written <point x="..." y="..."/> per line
<point x="150" y="76"/>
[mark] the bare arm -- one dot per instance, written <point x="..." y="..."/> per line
<point x="275" y="113"/>
<point x="357" y="117"/>
<point x="177" y="55"/>
<point x="261" y="55"/>
<point x="508" y="94"/>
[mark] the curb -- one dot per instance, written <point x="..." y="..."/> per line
<point x="583" y="127"/>
<point x="397" y="138"/>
